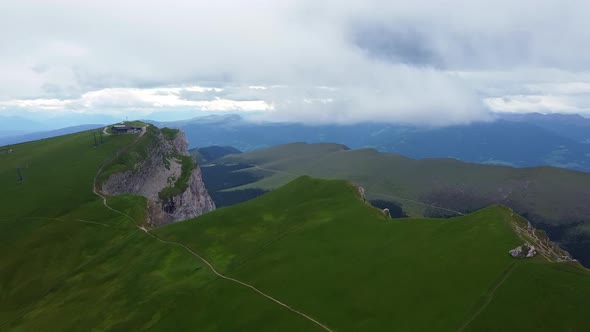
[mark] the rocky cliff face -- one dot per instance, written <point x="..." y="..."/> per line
<point x="162" y="169"/>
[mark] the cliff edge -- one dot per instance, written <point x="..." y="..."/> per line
<point x="161" y="169"/>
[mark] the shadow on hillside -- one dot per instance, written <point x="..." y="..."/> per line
<point x="220" y="177"/>
<point x="395" y="209"/>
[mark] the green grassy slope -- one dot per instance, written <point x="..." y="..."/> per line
<point x="554" y="199"/>
<point x="316" y="246"/>
<point x="554" y="190"/>
<point x="57" y="173"/>
<point x="312" y="244"/>
<point x="133" y="154"/>
<point x="42" y="240"/>
<point x="212" y="153"/>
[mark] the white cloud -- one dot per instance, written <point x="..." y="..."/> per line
<point x="531" y="103"/>
<point x="561" y="88"/>
<point x="424" y="62"/>
<point x="37" y="105"/>
<point x="141" y="101"/>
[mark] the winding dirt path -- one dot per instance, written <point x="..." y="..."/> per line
<point x="422" y="203"/>
<point x="104" y="164"/>
<point x="489" y="296"/>
<point x="220" y="275"/>
<point x="189" y="250"/>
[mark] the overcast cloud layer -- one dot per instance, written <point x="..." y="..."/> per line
<point x="422" y="62"/>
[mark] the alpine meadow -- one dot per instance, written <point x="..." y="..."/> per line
<point x="310" y="255"/>
<point x="294" y="166"/>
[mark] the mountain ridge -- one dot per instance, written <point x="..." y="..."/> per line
<point x="559" y="140"/>
<point x="552" y="198"/>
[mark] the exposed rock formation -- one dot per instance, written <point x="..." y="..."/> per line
<point x="532" y="252"/>
<point x="362" y="193"/>
<point x="386" y="213"/>
<point x="524" y="251"/>
<point x="539" y="241"/>
<point x="161" y="169"/>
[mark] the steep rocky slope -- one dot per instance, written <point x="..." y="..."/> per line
<point x="162" y="170"/>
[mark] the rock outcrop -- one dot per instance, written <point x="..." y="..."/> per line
<point x="387" y="213"/>
<point x="524" y="251"/>
<point x="161" y="169"/>
<point x="538" y="241"/>
<point x="362" y="193"/>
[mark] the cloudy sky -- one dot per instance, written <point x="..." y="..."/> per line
<point x="341" y="61"/>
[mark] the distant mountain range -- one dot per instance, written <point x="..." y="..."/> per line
<point x="516" y="140"/>
<point x="15" y="139"/>
<point x="14" y="124"/>
<point x="573" y="126"/>
<point x="520" y="140"/>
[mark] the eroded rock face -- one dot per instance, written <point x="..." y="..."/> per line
<point x="195" y="200"/>
<point x="181" y="143"/>
<point x="159" y="170"/>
